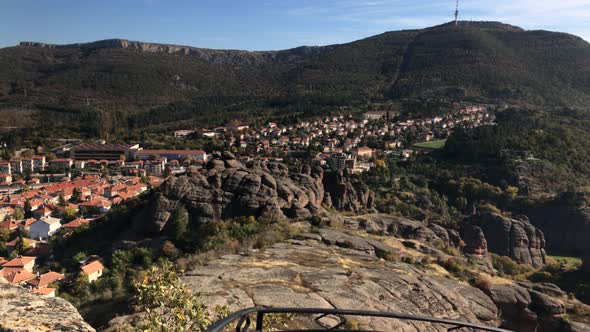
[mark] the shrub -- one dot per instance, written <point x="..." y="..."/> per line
<point x="452" y="265"/>
<point x="482" y="282"/>
<point x="169" y="250"/>
<point x="168" y="304"/>
<point x="388" y="256"/>
<point x="541" y="276"/>
<point x="408" y="260"/>
<point x="451" y="251"/>
<point x="506" y="266"/>
<point x="409" y="244"/>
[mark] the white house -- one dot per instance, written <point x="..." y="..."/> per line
<point x="93" y="270"/>
<point x="44" y="227"/>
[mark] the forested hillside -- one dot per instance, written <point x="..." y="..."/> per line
<point x="115" y="82"/>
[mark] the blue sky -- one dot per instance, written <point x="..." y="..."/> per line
<point x="265" y="24"/>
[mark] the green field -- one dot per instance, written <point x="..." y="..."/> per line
<point x="568" y="261"/>
<point x="432" y="145"/>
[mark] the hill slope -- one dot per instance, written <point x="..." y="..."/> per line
<point x="484" y="60"/>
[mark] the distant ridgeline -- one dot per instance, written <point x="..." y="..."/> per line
<point x="102" y="82"/>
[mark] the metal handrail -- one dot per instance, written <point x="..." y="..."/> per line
<point x="244" y="319"/>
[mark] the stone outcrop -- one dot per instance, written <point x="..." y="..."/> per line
<point x="334" y="269"/>
<point x="231" y="57"/>
<point x="402" y="227"/>
<point x="565" y="227"/>
<point x="343" y="269"/>
<point x="532" y="307"/>
<point x="24" y="311"/>
<point x="348" y="194"/>
<point x="475" y="240"/>
<point x="226" y="188"/>
<point x="517" y="239"/>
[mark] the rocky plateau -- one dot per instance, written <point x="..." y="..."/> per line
<point x="21" y="310"/>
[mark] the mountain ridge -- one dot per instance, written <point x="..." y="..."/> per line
<point x="482" y="62"/>
<point x="136" y="44"/>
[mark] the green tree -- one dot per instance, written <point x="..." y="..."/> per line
<point x="50" y="156"/>
<point x="81" y="285"/>
<point x="461" y="203"/>
<point x="20" y="245"/>
<point x="4" y="234"/>
<point x="28" y="209"/>
<point x="62" y="201"/>
<point x="76" y="196"/>
<point x="179" y="224"/>
<point x="168" y="304"/>
<point x="69" y="214"/>
<point x="19" y="215"/>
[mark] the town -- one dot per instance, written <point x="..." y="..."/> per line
<point x="53" y="194"/>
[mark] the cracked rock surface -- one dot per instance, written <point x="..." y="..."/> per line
<point x="316" y="273"/>
<point x="24" y="311"/>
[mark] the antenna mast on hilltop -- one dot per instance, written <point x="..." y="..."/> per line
<point x="457" y="13"/>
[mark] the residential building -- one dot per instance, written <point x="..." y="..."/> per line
<point x="154" y="167"/>
<point x="47" y="292"/>
<point x="5" y="167"/>
<point x="93" y="270"/>
<point x="198" y="155"/>
<point x="16" y="165"/>
<point x="76" y="223"/>
<point x="26" y="263"/>
<point x="113" y="191"/>
<point x="340" y="161"/>
<point x="183" y="133"/>
<point x="16" y="276"/>
<point x="61" y="163"/>
<point x="38" y="163"/>
<point x="5" y="179"/>
<point x="45" y="279"/>
<point x="44" y="227"/>
<point x="87" y="151"/>
<point x="27" y="243"/>
<point x="28" y="165"/>
<point x="362" y="152"/>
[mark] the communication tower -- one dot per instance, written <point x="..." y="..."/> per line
<point x="457" y="13"/>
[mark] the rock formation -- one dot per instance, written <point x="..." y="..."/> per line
<point x="565" y="227"/>
<point x="226" y="188"/>
<point x="475" y="240"/>
<point x="348" y="194"/>
<point x="403" y="228"/>
<point x="24" y="311"/>
<point x="338" y="270"/>
<point x="342" y="269"/>
<point x="231" y="57"/>
<point x="517" y="239"/>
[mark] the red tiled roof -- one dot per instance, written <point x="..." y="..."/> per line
<point x="43" y="291"/>
<point x="76" y="223"/>
<point x="19" y="261"/>
<point x="10" y="224"/>
<point x="93" y="267"/>
<point x="26" y="242"/>
<point x="27" y="222"/>
<point x="17" y="276"/>
<point x="45" y="279"/>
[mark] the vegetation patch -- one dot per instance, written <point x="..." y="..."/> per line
<point x="432" y="145"/>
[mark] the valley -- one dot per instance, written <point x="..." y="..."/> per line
<point x="440" y="172"/>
